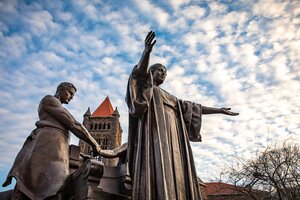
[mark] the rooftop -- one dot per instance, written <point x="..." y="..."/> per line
<point x="105" y="109"/>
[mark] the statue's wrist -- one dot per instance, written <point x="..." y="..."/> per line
<point x="147" y="50"/>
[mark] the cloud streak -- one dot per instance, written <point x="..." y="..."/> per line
<point x="242" y="55"/>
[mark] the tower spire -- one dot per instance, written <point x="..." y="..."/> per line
<point x="104" y="109"/>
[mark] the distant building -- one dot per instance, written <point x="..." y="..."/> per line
<point x="224" y="191"/>
<point x="104" y="125"/>
<point x="202" y="189"/>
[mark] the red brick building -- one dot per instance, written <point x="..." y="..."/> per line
<point x="224" y="191"/>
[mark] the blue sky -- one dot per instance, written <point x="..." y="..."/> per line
<point x="241" y="54"/>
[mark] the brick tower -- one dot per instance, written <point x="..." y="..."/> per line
<point x="104" y="125"/>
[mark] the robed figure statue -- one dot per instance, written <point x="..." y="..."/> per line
<point x="160" y="157"/>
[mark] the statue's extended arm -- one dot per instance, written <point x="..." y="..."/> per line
<point x="82" y="133"/>
<point x="211" y="110"/>
<point x="55" y="109"/>
<point x="117" y="152"/>
<point x="142" y="66"/>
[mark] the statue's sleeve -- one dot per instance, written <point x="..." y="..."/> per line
<point x="139" y="93"/>
<point x="192" y="117"/>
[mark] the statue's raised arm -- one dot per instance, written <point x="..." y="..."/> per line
<point x="144" y="60"/>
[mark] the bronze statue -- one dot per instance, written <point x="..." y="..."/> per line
<point x="42" y="166"/>
<point x="160" y="157"/>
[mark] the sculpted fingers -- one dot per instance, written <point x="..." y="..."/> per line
<point x="149" y="43"/>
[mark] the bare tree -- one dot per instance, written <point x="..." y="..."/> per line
<point x="276" y="170"/>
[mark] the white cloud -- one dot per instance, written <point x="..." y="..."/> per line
<point x="232" y="59"/>
<point x="280" y="69"/>
<point x="247" y="54"/>
<point x="12" y="46"/>
<point x="9" y="7"/>
<point x="269" y="9"/>
<point x="152" y="11"/>
<point x="176" y="4"/>
<point x="40" y="22"/>
<point x="91" y="11"/>
<point x="65" y="16"/>
<point x="192" y="12"/>
<point x="217" y="8"/>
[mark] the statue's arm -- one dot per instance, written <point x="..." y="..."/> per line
<point x="142" y="66"/>
<point x="54" y="108"/>
<point x="82" y="133"/>
<point x="117" y="152"/>
<point x="211" y="110"/>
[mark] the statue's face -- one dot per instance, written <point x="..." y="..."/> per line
<point x="159" y="75"/>
<point x="66" y="95"/>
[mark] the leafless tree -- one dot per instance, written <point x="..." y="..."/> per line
<point x="276" y="170"/>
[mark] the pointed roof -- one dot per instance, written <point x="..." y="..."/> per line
<point x="116" y="112"/>
<point x="88" y="112"/>
<point x="105" y="109"/>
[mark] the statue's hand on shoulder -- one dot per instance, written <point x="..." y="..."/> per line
<point x="226" y="111"/>
<point x="149" y="43"/>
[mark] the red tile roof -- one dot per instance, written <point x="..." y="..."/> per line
<point x="105" y="109"/>
<point x="214" y="188"/>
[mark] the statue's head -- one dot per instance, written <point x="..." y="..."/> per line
<point x="159" y="73"/>
<point x="65" y="92"/>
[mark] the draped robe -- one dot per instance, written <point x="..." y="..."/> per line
<point x="160" y="158"/>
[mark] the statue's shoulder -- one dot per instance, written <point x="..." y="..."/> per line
<point x="167" y="94"/>
<point x="49" y="100"/>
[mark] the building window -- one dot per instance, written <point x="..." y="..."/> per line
<point x="108" y="126"/>
<point x="103" y="142"/>
<point x="104" y="126"/>
<point x="100" y="126"/>
<point x="91" y="126"/>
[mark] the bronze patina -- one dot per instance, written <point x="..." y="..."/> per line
<point x="160" y="157"/>
<point x="41" y="167"/>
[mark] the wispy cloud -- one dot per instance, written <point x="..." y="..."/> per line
<point x="242" y="54"/>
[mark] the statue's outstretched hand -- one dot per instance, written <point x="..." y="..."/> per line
<point x="96" y="150"/>
<point x="226" y="111"/>
<point x="149" y="43"/>
<point x="108" y="153"/>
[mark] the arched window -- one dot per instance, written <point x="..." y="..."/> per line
<point x="104" y="126"/>
<point x="108" y="126"/>
<point x="100" y="126"/>
<point x="96" y="126"/>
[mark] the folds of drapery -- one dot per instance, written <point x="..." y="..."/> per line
<point x="160" y="158"/>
